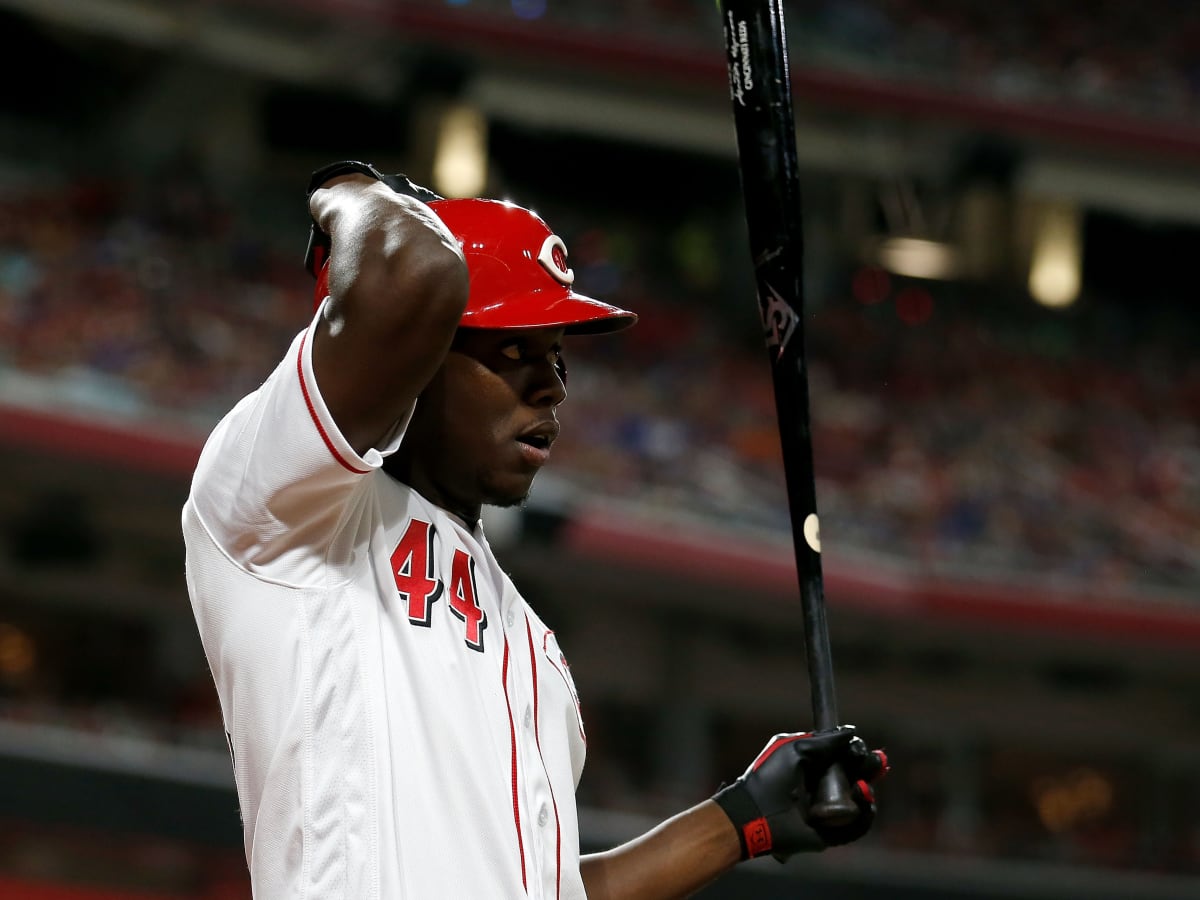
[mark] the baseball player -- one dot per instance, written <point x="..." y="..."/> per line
<point x="402" y="724"/>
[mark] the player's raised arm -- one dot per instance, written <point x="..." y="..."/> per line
<point x="397" y="287"/>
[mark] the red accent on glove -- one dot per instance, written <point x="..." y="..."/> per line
<point x="770" y="749"/>
<point x="867" y="793"/>
<point x="883" y="762"/>
<point x="757" y="834"/>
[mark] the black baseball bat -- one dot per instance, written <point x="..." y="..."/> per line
<point x="760" y="89"/>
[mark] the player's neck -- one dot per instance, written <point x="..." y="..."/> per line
<point x="413" y="476"/>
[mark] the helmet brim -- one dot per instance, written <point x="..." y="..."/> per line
<point x="575" y="313"/>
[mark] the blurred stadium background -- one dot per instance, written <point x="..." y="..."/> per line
<point x="1002" y="204"/>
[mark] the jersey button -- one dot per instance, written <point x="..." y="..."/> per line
<point x="543" y="816"/>
<point x="528" y="716"/>
<point x="511" y="618"/>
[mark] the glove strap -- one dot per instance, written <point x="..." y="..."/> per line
<point x="753" y="830"/>
<point x="318" y="241"/>
<point x="343" y="167"/>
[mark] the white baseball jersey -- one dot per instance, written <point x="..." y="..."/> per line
<point x="402" y="724"/>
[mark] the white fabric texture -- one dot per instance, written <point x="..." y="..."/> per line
<point x="402" y="724"/>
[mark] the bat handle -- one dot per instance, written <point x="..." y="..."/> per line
<point x="833" y="802"/>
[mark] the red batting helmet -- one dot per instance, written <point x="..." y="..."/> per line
<point x="518" y="272"/>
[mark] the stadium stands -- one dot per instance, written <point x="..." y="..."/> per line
<point x="959" y="430"/>
<point x="943" y="442"/>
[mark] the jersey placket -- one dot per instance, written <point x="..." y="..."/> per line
<point x="536" y="798"/>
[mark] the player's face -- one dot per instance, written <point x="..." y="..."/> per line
<point x="485" y="424"/>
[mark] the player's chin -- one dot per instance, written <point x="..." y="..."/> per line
<point x="509" y="489"/>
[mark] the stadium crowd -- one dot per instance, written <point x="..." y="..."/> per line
<point x="1105" y="56"/>
<point x="990" y="437"/>
<point x="977" y="436"/>
<point x="963" y="432"/>
<point x="1139" y="60"/>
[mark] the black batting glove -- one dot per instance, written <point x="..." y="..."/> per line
<point x="769" y="805"/>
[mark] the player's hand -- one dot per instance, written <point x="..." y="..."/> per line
<point x="769" y="805"/>
<point x="319" y="242"/>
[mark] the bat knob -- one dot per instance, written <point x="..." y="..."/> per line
<point x="833" y="803"/>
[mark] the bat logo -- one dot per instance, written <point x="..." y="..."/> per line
<point x="553" y="257"/>
<point x="779" y="320"/>
<point x="741" y="77"/>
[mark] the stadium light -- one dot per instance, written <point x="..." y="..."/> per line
<point x="914" y="241"/>
<point x="460" y="161"/>
<point x="1055" y="269"/>
<point x="918" y="258"/>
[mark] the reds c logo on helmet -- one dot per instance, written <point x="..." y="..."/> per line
<point x="553" y="257"/>
<point x="509" y="251"/>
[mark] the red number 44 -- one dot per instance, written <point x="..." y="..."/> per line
<point x="463" y="600"/>
<point x="419" y="586"/>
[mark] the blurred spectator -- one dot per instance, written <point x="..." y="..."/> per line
<point x="980" y="440"/>
<point x="1099" y="55"/>
<point x="985" y="439"/>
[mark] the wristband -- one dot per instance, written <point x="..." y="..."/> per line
<point x="753" y="831"/>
